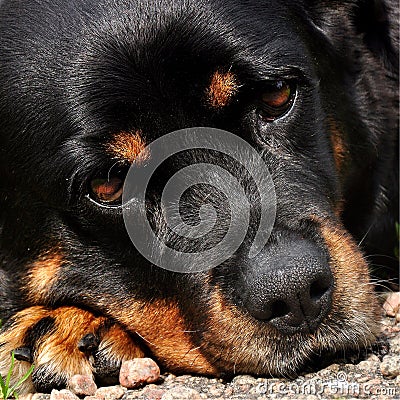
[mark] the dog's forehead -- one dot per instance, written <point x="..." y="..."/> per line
<point x="150" y="34"/>
<point x="147" y="56"/>
<point x="186" y="44"/>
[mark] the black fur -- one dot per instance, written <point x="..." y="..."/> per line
<point x="72" y="73"/>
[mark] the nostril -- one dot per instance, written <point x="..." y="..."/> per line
<point x="279" y="309"/>
<point x="318" y="288"/>
<point x="269" y="311"/>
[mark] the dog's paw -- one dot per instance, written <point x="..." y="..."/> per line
<point x="62" y="343"/>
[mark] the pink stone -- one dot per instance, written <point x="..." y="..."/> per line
<point x="62" y="395"/>
<point x="110" y="393"/>
<point x="82" y="385"/>
<point x="137" y="372"/>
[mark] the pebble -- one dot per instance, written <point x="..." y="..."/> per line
<point x="390" y="366"/>
<point x="243" y="383"/>
<point x="138" y="371"/>
<point x="26" y="397"/>
<point x="244" y="380"/>
<point x="181" y="393"/>
<point x="392" y="304"/>
<point x="153" y="392"/>
<point x="216" y="391"/>
<point x="373" y="358"/>
<point x="110" y="393"/>
<point x="368" y="365"/>
<point x="82" y="385"/>
<point x="40" y="396"/>
<point x="63" y="394"/>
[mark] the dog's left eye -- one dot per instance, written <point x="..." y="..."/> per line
<point x="107" y="191"/>
<point x="276" y="100"/>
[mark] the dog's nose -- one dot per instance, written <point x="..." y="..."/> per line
<point x="290" y="286"/>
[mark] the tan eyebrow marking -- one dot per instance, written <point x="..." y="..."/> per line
<point x="222" y="88"/>
<point x="128" y="145"/>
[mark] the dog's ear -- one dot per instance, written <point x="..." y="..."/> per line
<point x="375" y="22"/>
<point x="378" y="22"/>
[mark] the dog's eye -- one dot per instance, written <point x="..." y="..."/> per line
<point x="107" y="191"/>
<point x="276" y="100"/>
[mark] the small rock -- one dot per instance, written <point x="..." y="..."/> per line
<point x="40" y="396"/>
<point x="373" y="358"/>
<point x="138" y="371"/>
<point x="216" y="391"/>
<point x="26" y="397"/>
<point x="153" y="392"/>
<point x="244" y="380"/>
<point x="169" y="377"/>
<point x="243" y="383"/>
<point x="110" y="392"/>
<point x="82" y="385"/>
<point x="182" y="378"/>
<point x="181" y="393"/>
<point x="62" y="395"/>
<point x="395" y="345"/>
<point x="392" y="304"/>
<point x="374" y="382"/>
<point x="333" y="367"/>
<point x="368" y="365"/>
<point x="390" y="366"/>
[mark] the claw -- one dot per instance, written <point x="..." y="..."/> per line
<point x="88" y="343"/>
<point x="23" y="354"/>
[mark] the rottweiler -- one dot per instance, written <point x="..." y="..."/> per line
<point x="87" y="85"/>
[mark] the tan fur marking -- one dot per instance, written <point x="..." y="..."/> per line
<point x="238" y="339"/>
<point x="60" y="348"/>
<point x="128" y="146"/>
<point x="14" y="338"/>
<point x="162" y="327"/>
<point x="42" y="275"/>
<point x="222" y="88"/>
<point x="340" y="151"/>
<point x="353" y="290"/>
<point x="117" y="344"/>
<point x="57" y="351"/>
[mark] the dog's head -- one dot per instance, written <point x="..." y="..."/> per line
<point x="309" y="85"/>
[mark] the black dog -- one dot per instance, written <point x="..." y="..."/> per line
<point x="85" y="86"/>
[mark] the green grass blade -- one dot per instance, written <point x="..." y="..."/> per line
<point x="13" y="390"/>
<point x="3" y="388"/>
<point x="10" y="371"/>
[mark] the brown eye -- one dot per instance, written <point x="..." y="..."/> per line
<point x="276" y="100"/>
<point x="107" y="191"/>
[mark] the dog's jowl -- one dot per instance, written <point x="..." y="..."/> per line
<point x="87" y="86"/>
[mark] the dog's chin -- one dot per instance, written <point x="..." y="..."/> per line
<point x="264" y="354"/>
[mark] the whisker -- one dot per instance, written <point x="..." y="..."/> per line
<point x="366" y="234"/>
<point x="137" y="333"/>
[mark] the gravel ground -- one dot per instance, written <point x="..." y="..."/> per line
<point x="374" y="375"/>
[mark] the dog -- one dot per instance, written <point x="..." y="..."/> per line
<point x="87" y="86"/>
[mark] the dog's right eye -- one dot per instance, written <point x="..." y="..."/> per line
<point x="107" y="192"/>
<point x="276" y="100"/>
